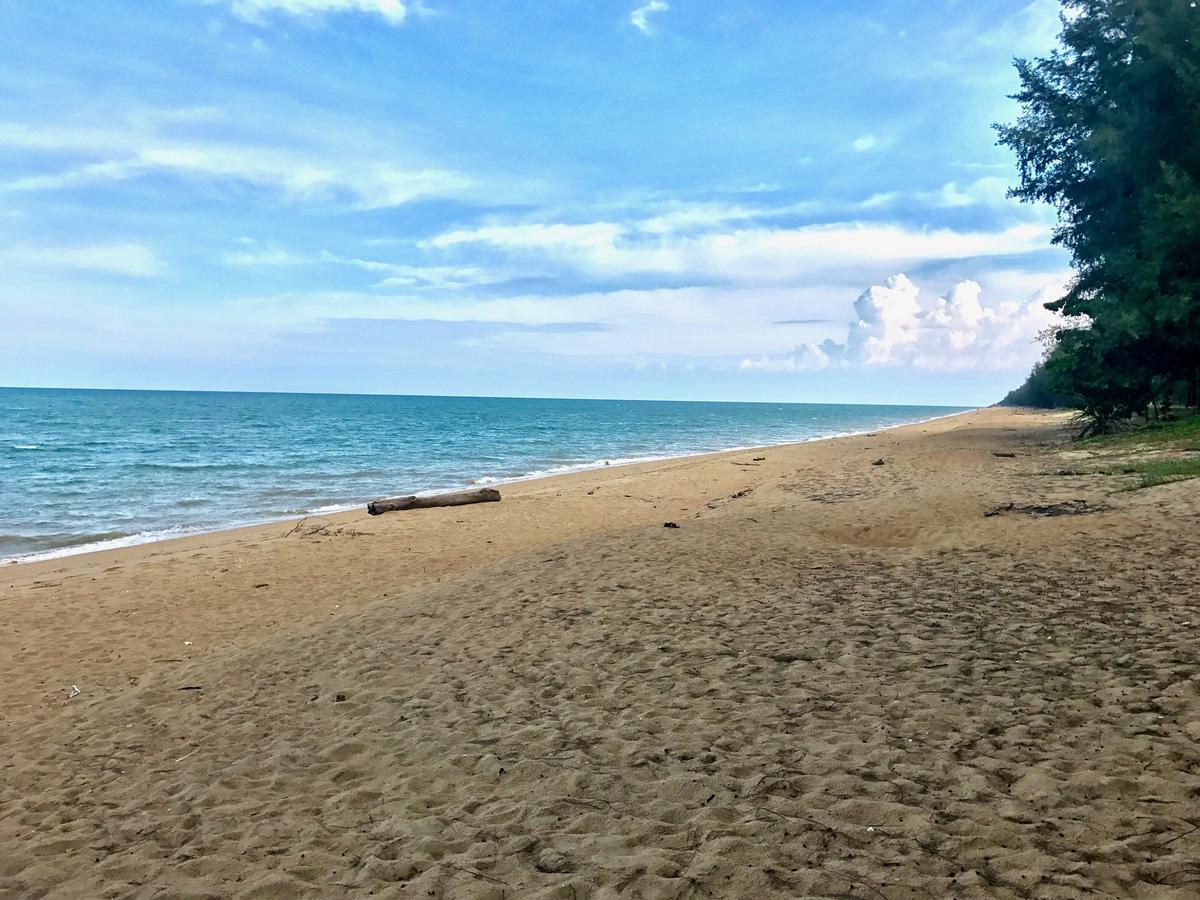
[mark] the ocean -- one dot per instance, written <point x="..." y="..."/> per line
<point x="86" y="470"/>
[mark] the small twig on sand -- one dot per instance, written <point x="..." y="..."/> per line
<point x="477" y="874"/>
<point x="796" y="818"/>
<point x="592" y="802"/>
<point x="1182" y="834"/>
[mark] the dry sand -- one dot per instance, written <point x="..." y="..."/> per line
<point x="833" y="679"/>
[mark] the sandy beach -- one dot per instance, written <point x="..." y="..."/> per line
<point x="834" y="678"/>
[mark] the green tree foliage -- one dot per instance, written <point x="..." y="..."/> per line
<point x="1040" y="390"/>
<point x="1109" y="133"/>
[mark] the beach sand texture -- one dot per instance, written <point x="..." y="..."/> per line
<point x="833" y="679"/>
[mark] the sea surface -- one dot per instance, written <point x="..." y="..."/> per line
<point x="86" y="469"/>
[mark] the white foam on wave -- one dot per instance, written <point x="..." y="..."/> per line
<point x="332" y="508"/>
<point x="167" y="534"/>
<point x="129" y="540"/>
<point x="569" y="468"/>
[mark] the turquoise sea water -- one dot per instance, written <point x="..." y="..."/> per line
<point x="84" y="470"/>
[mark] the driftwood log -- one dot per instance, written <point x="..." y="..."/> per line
<point x="459" y="498"/>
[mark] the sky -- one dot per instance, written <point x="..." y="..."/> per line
<point x="677" y="199"/>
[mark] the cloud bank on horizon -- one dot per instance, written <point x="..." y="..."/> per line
<point x="469" y="197"/>
<point x="955" y="332"/>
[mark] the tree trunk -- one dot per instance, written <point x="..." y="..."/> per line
<point x="460" y="498"/>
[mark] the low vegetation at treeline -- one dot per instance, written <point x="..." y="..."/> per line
<point x="1109" y="134"/>
<point x="1160" y="471"/>
<point x="1154" y="453"/>
<point x="1182" y="433"/>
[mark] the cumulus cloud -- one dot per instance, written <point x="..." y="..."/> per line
<point x="864" y="143"/>
<point x="391" y="11"/>
<point x="894" y="327"/>
<point x="640" y="17"/>
<point x="133" y="260"/>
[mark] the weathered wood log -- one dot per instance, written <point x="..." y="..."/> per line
<point x="459" y="498"/>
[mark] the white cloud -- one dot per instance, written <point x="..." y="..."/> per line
<point x="397" y="275"/>
<point x="883" y="198"/>
<point x="134" y="260"/>
<point x="751" y="255"/>
<point x="255" y="255"/>
<point x="449" y="277"/>
<point x="893" y="327"/>
<point x="640" y="17"/>
<point x="1033" y="28"/>
<point x="403" y="275"/>
<point x="322" y="174"/>
<point x="864" y="143"/>
<point x="990" y="190"/>
<point x="391" y="11"/>
<point x="716" y="323"/>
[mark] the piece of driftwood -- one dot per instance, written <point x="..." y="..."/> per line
<point x="459" y="498"/>
<point x="1042" y="511"/>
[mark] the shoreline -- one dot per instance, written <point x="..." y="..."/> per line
<point x="232" y="583"/>
<point x="144" y="539"/>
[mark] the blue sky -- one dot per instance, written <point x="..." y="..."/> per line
<point x="684" y="199"/>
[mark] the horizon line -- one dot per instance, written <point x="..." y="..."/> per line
<point x="17" y="387"/>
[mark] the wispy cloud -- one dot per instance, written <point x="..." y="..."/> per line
<point x="639" y="18"/>
<point x="693" y="321"/>
<point x="746" y="255"/>
<point x="447" y="277"/>
<point x="326" y="174"/>
<point x="864" y="143"/>
<point x="394" y="275"/>
<point x="253" y="255"/>
<point x="991" y="190"/>
<point x="1034" y="26"/>
<point x="393" y="12"/>
<point x="133" y="260"/>
<point x="401" y="275"/>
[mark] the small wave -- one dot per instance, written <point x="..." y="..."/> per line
<point x="49" y="542"/>
<point x="589" y="465"/>
<point x="333" y="508"/>
<point x="202" y="467"/>
<point x="73" y="545"/>
<point x="25" y="447"/>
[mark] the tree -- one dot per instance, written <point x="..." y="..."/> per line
<point x="1109" y="133"/>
